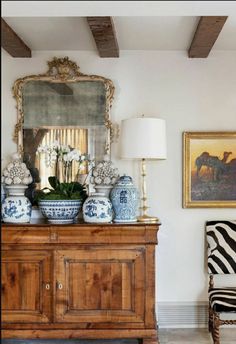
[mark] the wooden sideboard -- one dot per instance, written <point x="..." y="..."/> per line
<point x="79" y="281"/>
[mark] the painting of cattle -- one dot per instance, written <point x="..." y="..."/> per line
<point x="209" y="169"/>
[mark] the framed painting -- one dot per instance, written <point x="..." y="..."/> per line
<point x="209" y="170"/>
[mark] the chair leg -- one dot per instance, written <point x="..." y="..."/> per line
<point x="210" y="319"/>
<point x="216" y="328"/>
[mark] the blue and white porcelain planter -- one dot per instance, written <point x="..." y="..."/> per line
<point x="97" y="209"/>
<point x="125" y="199"/>
<point x="3" y="193"/>
<point x="103" y="189"/>
<point x="16" y="208"/>
<point x="60" y="211"/>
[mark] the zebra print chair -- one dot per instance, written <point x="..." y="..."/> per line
<point x="221" y="239"/>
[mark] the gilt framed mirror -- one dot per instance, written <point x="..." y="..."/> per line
<point x="66" y="107"/>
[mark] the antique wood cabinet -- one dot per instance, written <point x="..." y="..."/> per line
<point x="79" y="281"/>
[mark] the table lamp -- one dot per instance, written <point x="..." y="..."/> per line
<point x="143" y="138"/>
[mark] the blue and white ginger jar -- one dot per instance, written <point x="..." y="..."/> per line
<point x="97" y="209"/>
<point x="16" y="208"/>
<point x="125" y="200"/>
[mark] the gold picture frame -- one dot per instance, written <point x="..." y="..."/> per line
<point x="209" y="169"/>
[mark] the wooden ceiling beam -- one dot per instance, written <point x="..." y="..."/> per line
<point x="12" y="43"/>
<point x="103" y="31"/>
<point x="207" y="32"/>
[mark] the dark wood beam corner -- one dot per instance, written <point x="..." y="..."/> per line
<point x="207" y="32"/>
<point x="12" y="43"/>
<point x="103" y="32"/>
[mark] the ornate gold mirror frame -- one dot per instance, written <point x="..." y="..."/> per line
<point x="62" y="70"/>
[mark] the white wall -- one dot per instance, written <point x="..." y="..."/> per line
<point x="191" y="95"/>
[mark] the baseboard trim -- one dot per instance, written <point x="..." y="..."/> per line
<point x="184" y="315"/>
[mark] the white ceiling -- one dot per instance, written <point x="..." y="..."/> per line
<point x="116" y="8"/>
<point x="155" y="33"/>
<point x="50" y="33"/>
<point x="139" y="25"/>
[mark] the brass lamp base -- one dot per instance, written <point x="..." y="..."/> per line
<point x="147" y="218"/>
<point x="144" y="217"/>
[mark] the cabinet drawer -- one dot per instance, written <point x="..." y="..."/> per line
<point x="24" y="235"/>
<point x="101" y="235"/>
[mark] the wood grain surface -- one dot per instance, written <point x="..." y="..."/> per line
<point x="79" y="281"/>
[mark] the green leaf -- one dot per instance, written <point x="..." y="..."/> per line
<point x="73" y="190"/>
<point x="54" y="182"/>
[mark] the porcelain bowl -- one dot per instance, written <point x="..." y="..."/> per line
<point x="60" y="211"/>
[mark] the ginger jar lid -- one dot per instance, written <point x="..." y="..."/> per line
<point x="125" y="181"/>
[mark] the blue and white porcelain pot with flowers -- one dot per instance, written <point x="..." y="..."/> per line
<point x="3" y="193"/>
<point x="97" y="209"/>
<point x="16" y="208"/>
<point x="125" y="199"/>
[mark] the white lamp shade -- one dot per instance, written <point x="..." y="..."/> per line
<point x="143" y="138"/>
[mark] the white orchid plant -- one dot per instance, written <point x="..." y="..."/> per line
<point x="56" y="153"/>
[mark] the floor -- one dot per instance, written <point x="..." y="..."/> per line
<point x="166" y="336"/>
<point x="197" y="336"/>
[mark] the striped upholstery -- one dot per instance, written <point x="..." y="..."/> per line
<point x="223" y="299"/>
<point x="221" y="239"/>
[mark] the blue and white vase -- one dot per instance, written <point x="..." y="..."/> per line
<point x="3" y="193"/>
<point x="16" y="208"/>
<point x="104" y="189"/>
<point x="97" y="209"/>
<point x="125" y="200"/>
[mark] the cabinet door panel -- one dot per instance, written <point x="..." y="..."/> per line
<point x="100" y="285"/>
<point x="25" y="297"/>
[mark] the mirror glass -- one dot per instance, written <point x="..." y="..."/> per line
<point x="60" y="109"/>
